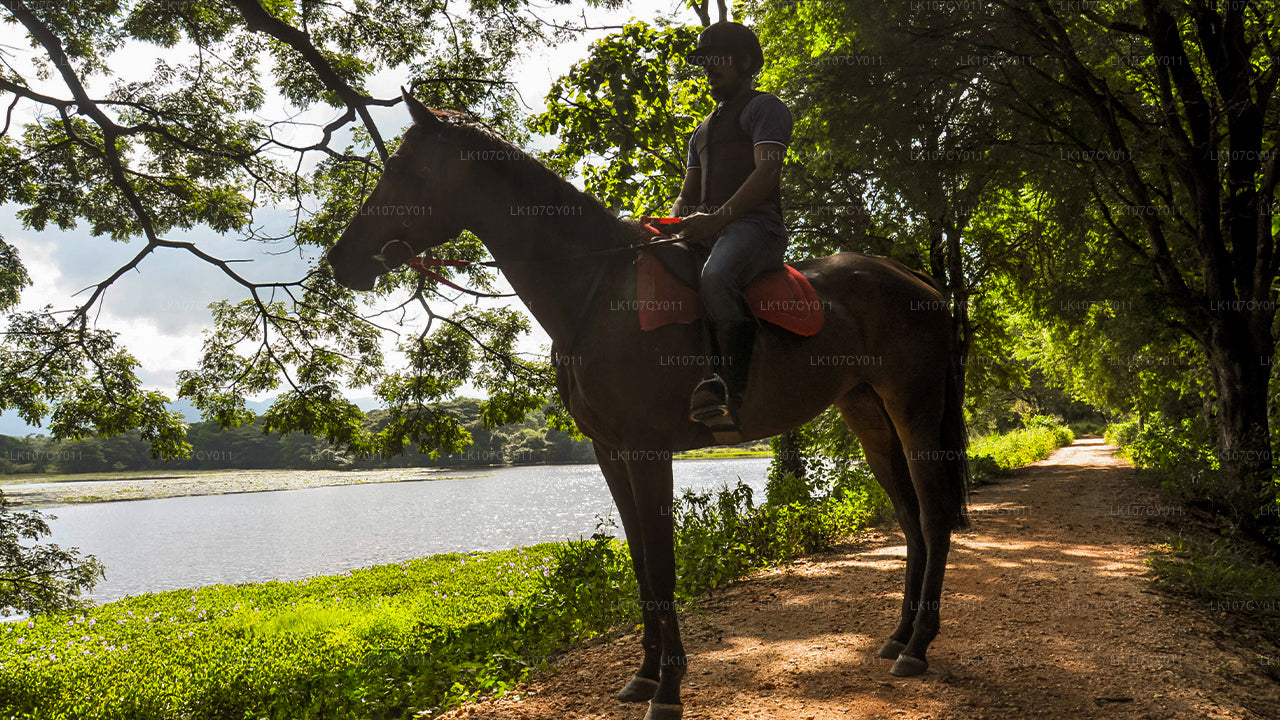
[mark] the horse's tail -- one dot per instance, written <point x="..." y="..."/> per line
<point x="955" y="441"/>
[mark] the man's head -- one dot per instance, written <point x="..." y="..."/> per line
<point x="731" y="55"/>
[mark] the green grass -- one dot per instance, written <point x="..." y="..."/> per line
<point x="757" y="450"/>
<point x="383" y="642"/>
<point x="1234" y="582"/>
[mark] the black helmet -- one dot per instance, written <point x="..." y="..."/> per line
<point x="728" y="37"/>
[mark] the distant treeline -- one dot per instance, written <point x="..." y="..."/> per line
<point x="248" y="447"/>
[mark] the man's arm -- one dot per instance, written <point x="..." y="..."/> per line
<point x="759" y="185"/>
<point x="690" y="193"/>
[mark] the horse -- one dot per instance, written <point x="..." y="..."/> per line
<point x="885" y="357"/>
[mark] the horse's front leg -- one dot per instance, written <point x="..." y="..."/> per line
<point x="651" y="488"/>
<point x="642" y="686"/>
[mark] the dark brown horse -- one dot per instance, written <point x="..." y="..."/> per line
<point x="884" y="358"/>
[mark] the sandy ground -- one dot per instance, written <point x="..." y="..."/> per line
<point x="178" y="484"/>
<point x="1047" y="614"/>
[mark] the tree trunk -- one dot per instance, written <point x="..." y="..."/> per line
<point x="787" y="457"/>
<point x="1241" y="373"/>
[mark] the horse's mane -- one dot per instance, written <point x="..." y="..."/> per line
<point x="526" y="170"/>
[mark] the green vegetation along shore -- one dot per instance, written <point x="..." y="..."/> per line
<point x="402" y="640"/>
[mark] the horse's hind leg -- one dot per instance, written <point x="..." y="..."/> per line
<point x="864" y="413"/>
<point x="919" y="424"/>
<point x="645" y="682"/>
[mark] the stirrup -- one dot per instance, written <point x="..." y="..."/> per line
<point x="712" y="406"/>
<point x="709" y="401"/>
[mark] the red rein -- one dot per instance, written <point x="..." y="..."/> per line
<point x="424" y="265"/>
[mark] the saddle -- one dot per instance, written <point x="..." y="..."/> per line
<point x="667" y="278"/>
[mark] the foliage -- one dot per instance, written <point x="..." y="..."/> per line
<point x="723" y="536"/>
<point x="250" y="446"/>
<point x="1181" y="451"/>
<point x="1184" y="458"/>
<point x="34" y="578"/>
<point x="632" y="103"/>
<point x="381" y="642"/>
<point x="1087" y="183"/>
<point x="207" y="139"/>
<point x="593" y="585"/>
<point x="998" y="453"/>
<point x="396" y="639"/>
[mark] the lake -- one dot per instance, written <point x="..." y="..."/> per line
<point x="165" y="544"/>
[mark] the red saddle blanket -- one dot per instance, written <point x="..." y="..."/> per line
<point x="783" y="297"/>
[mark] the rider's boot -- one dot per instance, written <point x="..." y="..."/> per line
<point x="717" y="399"/>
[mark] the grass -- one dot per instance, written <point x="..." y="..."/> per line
<point x="760" y="449"/>
<point x="1235" y="583"/>
<point x="383" y="642"/>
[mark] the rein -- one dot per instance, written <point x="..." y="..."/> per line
<point x="423" y="266"/>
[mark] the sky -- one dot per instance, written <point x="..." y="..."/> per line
<point x="161" y="309"/>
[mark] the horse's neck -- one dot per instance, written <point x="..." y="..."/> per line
<point x="547" y="244"/>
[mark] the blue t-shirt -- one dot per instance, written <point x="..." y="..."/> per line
<point x="767" y="120"/>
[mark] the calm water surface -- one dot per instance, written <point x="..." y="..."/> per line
<point x="150" y="545"/>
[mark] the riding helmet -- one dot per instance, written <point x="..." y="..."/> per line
<point x="728" y="37"/>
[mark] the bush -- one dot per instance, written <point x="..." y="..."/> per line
<point x="995" y="455"/>
<point x="1182" y="454"/>
<point x="723" y="536"/>
<point x="787" y="489"/>
<point x="1121" y="434"/>
<point x="1080" y="429"/>
<point x="383" y="642"/>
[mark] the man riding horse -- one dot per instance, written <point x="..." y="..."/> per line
<point x="730" y="201"/>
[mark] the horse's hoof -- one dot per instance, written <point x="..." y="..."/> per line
<point x="664" y="711"/>
<point x="640" y="689"/>
<point x="891" y="650"/>
<point x="906" y="666"/>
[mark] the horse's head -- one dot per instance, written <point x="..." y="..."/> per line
<point x="410" y="209"/>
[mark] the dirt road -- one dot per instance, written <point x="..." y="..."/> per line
<point x="1047" y="614"/>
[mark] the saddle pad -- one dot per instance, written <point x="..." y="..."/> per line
<point x="661" y="298"/>
<point x="783" y="297"/>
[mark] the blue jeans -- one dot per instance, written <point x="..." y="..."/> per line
<point x="744" y="249"/>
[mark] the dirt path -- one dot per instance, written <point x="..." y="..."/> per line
<point x="1047" y="613"/>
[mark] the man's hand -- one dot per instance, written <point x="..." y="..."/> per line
<point x="701" y="228"/>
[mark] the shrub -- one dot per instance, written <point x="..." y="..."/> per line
<point x="1182" y="454"/>
<point x="996" y="454"/>
<point x="1121" y="434"/>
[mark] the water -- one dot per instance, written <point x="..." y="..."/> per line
<point x="151" y="545"/>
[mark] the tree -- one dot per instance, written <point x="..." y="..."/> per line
<point x="1097" y="140"/>
<point x="1164" y="117"/>
<point x="893" y="153"/>
<point x="625" y="113"/>
<point x="190" y="146"/>
<point x="38" y="578"/>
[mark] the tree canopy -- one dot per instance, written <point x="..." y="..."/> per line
<point x="210" y="139"/>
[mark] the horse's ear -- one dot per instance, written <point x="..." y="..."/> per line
<point x="421" y="115"/>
